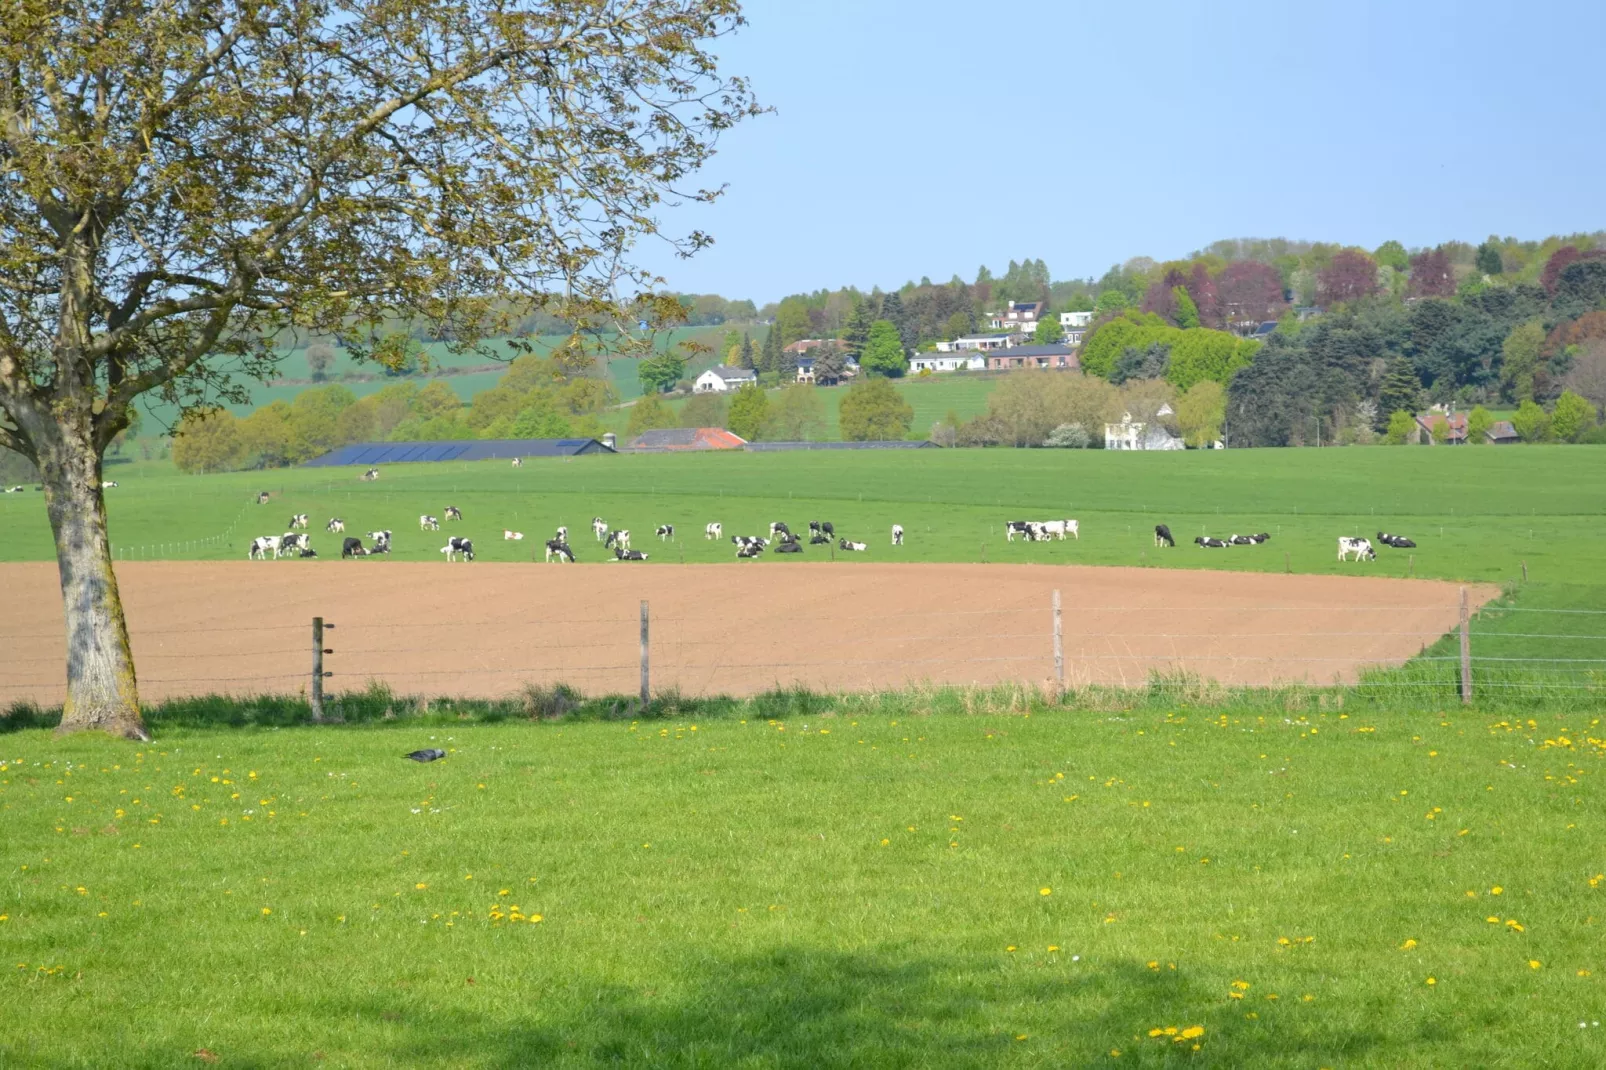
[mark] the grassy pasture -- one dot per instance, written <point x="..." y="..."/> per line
<point x="855" y="884"/>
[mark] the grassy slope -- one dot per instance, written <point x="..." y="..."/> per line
<point x="782" y="895"/>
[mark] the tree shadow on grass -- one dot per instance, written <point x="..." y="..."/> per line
<point x="809" y="1009"/>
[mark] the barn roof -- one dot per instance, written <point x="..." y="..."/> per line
<point x="680" y="439"/>
<point x="780" y="447"/>
<point x="373" y="453"/>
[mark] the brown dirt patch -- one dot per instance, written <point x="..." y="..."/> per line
<point x="487" y="629"/>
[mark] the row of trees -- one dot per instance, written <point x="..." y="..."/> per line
<point x="1050" y="408"/>
<point x="871" y="410"/>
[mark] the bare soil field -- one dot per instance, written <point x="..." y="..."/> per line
<point x="485" y="630"/>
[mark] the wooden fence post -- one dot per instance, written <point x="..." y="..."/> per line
<point x="645" y="683"/>
<point x="1525" y="572"/>
<point x="1059" y="645"/>
<point x="1466" y="654"/>
<point x="318" y="674"/>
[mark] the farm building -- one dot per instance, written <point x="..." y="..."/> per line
<point x="1501" y="433"/>
<point x="1436" y="427"/>
<point x="947" y="362"/>
<point x="686" y="440"/>
<point x="784" y="447"/>
<point x="377" y="453"/>
<point x="720" y="378"/>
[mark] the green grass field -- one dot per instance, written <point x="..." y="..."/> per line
<point x="861" y="885"/>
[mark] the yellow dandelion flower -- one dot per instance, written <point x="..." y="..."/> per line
<point x="1156" y="1032"/>
<point x="1433" y="980"/>
<point x="1045" y="891"/>
<point x="1408" y="945"/>
<point x="1496" y="890"/>
<point x="1193" y="1032"/>
<point x="1534" y="964"/>
<point x="1011" y="947"/>
<point x="420" y="886"/>
<point x="266" y="911"/>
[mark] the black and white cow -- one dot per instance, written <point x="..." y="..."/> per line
<point x="262" y="498"/>
<point x="666" y="531"/>
<point x="1264" y="536"/>
<point x="820" y="539"/>
<point x="824" y="527"/>
<point x="290" y="541"/>
<point x="559" y="549"/>
<point x="307" y="551"/>
<point x="790" y="546"/>
<point x="750" y="540"/>
<point x="1243" y="540"/>
<point x="1399" y="542"/>
<point x="299" y="520"/>
<point x="18" y="489"/>
<point x="512" y="536"/>
<point x="1013" y="528"/>
<point x="453" y="513"/>
<point x="1162" y="536"/>
<point x="1210" y="544"/>
<point x="458" y="547"/>
<point x="370" y="475"/>
<point x="897" y="534"/>
<point x="853" y="547"/>
<point x="335" y="525"/>
<point x="518" y="462"/>
<point x="599" y="527"/>
<point x="618" y="539"/>
<point x="352" y="546"/>
<point x="262" y="544"/>
<point x="1359" y="547"/>
<point x="562" y="534"/>
<point x="108" y="483"/>
<point x="380" y="538"/>
<point x="748" y="550"/>
<point x="715" y="530"/>
<point x="428" y="523"/>
<point x="778" y="528"/>
<point x="622" y="554"/>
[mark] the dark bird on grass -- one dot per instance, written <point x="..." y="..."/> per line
<point x="430" y="755"/>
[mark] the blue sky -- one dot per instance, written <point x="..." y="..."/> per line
<point x="927" y="137"/>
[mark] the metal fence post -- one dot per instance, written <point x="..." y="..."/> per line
<point x="1466" y="654"/>
<point x="645" y="680"/>
<point x="1059" y="644"/>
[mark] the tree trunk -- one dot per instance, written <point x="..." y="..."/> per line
<point x="101" y="690"/>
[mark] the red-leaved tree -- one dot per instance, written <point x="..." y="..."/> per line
<point x="1250" y="292"/>
<point x="1206" y="296"/>
<point x="1556" y="265"/>
<point x="1160" y="300"/>
<point x="1432" y="274"/>
<point x="1348" y="277"/>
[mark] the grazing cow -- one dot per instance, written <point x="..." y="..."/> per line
<point x="298" y="521"/>
<point x="1210" y="544"/>
<point x="820" y="539"/>
<point x="458" y="547"/>
<point x="563" y="533"/>
<point x="1058" y="529"/>
<point x="748" y="550"/>
<point x="1162" y="536"/>
<point x="779" y="528"/>
<point x="370" y="475"/>
<point x="1359" y="547"/>
<point x="262" y="499"/>
<point x="291" y="541"/>
<point x="261" y="545"/>
<point x="108" y="483"/>
<point x="380" y="537"/>
<point x="1013" y="528"/>
<point x="453" y="513"/>
<point x="335" y="524"/>
<point x="790" y="546"/>
<point x="622" y="554"/>
<point x="618" y="540"/>
<point x="512" y="536"/>
<point x="559" y="549"/>
<point x="897" y="534"/>
<point x="518" y="462"/>
<point x="714" y="531"/>
<point x="428" y="523"/>
<point x="1399" y="542"/>
<point x="854" y="547"/>
<point x="599" y="527"/>
<point x="666" y="531"/>
<point x="352" y="547"/>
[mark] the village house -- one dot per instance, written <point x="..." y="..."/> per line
<point x="1501" y="433"/>
<point x="972" y="361"/>
<point x="721" y="379"/>
<point x="977" y="341"/>
<point x="1020" y="316"/>
<point x="1016" y="357"/>
<point x="1132" y="434"/>
<point x="1436" y="427"/>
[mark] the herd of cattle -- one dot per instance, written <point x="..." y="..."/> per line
<point x="781" y="540"/>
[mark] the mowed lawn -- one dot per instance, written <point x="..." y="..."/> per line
<point x="853" y="889"/>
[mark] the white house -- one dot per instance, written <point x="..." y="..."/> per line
<point x="1068" y="320"/>
<point x="977" y="341"/>
<point x="719" y="379"/>
<point x="1019" y="316"/>
<point x="947" y="362"/>
<point x="1132" y="434"/>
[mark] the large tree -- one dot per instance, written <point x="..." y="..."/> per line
<point x="184" y="180"/>
<point x="1348" y="277"/>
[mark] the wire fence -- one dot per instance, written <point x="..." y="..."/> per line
<point x="1443" y="652"/>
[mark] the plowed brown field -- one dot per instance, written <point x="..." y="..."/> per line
<point x="484" y="630"/>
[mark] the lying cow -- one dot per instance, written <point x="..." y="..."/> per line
<point x="666" y="531"/>
<point x="262" y="544"/>
<point x="820" y="539"/>
<point x="622" y="554"/>
<point x="15" y="490"/>
<point x="1399" y="542"/>
<point x="852" y="547"/>
<point x="1243" y="540"/>
<point x="1211" y="544"/>
<point x="512" y="536"/>
<point x="743" y="541"/>
<point x="428" y="523"/>
<point x="457" y="547"/>
<point x="1359" y="547"/>
<point x="105" y="484"/>
<point x="714" y="531"/>
<point x="352" y="547"/>
<point x="791" y="546"/>
<point x="897" y="534"/>
<point x="335" y="525"/>
<point x="748" y="551"/>
<point x="1162" y="536"/>
<point x="559" y="549"/>
<point x="370" y="475"/>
